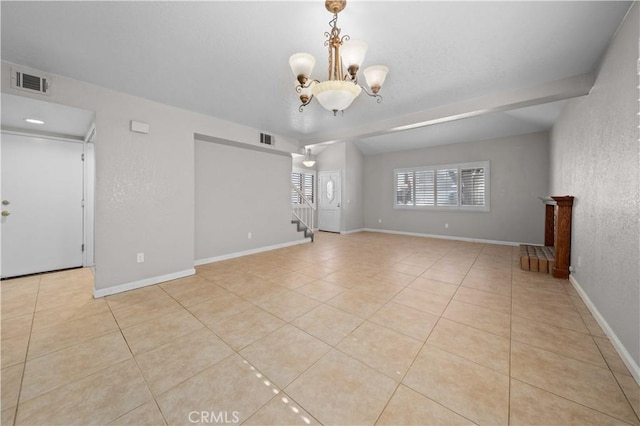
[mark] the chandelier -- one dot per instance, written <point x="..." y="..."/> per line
<point x="340" y="89"/>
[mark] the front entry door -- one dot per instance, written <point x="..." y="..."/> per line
<point x="329" y="210"/>
<point x="42" y="221"/>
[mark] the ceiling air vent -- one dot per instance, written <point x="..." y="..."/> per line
<point x="30" y="82"/>
<point x="267" y="139"/>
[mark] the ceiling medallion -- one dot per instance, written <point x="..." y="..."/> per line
<point x="341" y="88"/>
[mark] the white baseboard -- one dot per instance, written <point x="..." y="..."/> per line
<point x="353" y="231"/>
<point x="252" y="251"/>
<point x="142" y="283"/>
<point x="631" y="364"/>
<point x="446" y="237"/>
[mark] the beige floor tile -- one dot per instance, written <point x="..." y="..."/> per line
<point x="97" y="399"/>
<point x="434" y="287"/>
<point x="18" y="300"/>
<point x="259" y="293"/>
<point x="380" y="289"/>
<point x="244" y="328"/>
<point x="284" y="354"/>
<point x="192" y="290"/>
<point x="14" y="351"/>
<point x="406" y="268"/>
<point x="18" y="326"/>
<point x="11" y="379"/>
<point x="578" y="381"/>
<point x="357" y="302"/>
<point x="147" y="310"/>
<point x="378" y="347"/>
<point x="611" y="356"/>
<point x="288" y="306"/>
<point x="52" y="298"/>
<point x="328" y="324"/>
<point x="447" y="276"/>
<point x="148" y="414"/>
<point x="347" y="278"/>
<point x="320" y="290"/>
<point x="230" y="389"/>
<point x="469" y="389"/>
<point x="8" y="416"/>
<point x="479" y="346"/>
<point x="151" y="334"/>
<point x="128" y="298"/>
<point x="502" y="287"/>
<point x="566" y="317"/>
<point x="479" y="317"/>
<point x="216" y="310"/>
<point x="408" y="407"/>
<point x="316" y="271"/>
<point x="65" y="313"/>
<point x="533" y="406"/>
<point x="60" y="368"/>
<point x="631" y="390"/>
<point x="420" y="260"/>
<point x="592" y="326"/>
<point x="556" y="339"/>
<point x="403" y="319"/>
<point x="181" y="359"/>
<point x="62" y="335"/>
<point x="292" y="280"/>
<point x="453" y="266"/>
<point x="340" y="390"/>
<point x="426" y="302"/>
<point x="485" y="299"/>
<point x="281" y="410"/>
<point x="394" y="277"/>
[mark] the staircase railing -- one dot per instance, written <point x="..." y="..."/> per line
<point x="303" y="213"/>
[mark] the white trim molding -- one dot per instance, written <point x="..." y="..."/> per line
<point x="628" y="360"/>
<point x="447" y="237"/>
<point x="252" y="251"/>
<point x="142" y="283"/>
<point x="353" y="231"/>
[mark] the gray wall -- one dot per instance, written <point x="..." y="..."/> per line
<point x="594" y="157"/>
<point x="354" y="189"/>
<point x="237" y="191"/>
<point x="519" y="175"/>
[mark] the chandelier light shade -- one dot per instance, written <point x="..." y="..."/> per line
<point x="308" y="162"/>
<point x="341" y="88"/>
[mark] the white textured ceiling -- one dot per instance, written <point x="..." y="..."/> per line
<point x="229" y="59"/>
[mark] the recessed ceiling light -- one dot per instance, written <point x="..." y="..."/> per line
<point x="33" y="121"/>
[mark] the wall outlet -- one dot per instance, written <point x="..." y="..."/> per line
<point x="140" y="257"/>
<point x="379" y="220"/>
<point x="446" y="225"/>
<point x="249" y="235"/>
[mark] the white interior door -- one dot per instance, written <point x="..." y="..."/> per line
<point x="329" y="210"/>
<point x="42" y="220"/>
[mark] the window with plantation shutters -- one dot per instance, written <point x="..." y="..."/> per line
<point x="305" y="183"/>
<point x="473" y="190"/>
<point x="451" y="187"/>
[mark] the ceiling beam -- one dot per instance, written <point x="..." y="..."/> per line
<point x="553" y="91"/>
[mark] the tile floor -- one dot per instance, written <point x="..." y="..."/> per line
<point x="353" y="329"/>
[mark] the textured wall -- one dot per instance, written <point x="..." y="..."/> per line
<point x="519" y="175"/>
<point x="354" y="189"/>
<point x="238" y="191"/>
<point x="594" y="157"/>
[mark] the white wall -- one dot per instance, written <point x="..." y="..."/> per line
<point x="594" y="157"/>
<point x="144" y="183"/>
<point x="519" y="175"/>
<point x="237" y="191"/>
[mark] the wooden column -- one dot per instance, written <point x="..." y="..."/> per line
<point x="563" y="209"/>
<point x="549" y="228"/>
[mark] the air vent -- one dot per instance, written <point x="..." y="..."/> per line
<point x="267" y="139"/>
<point x="30" y="82"/>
